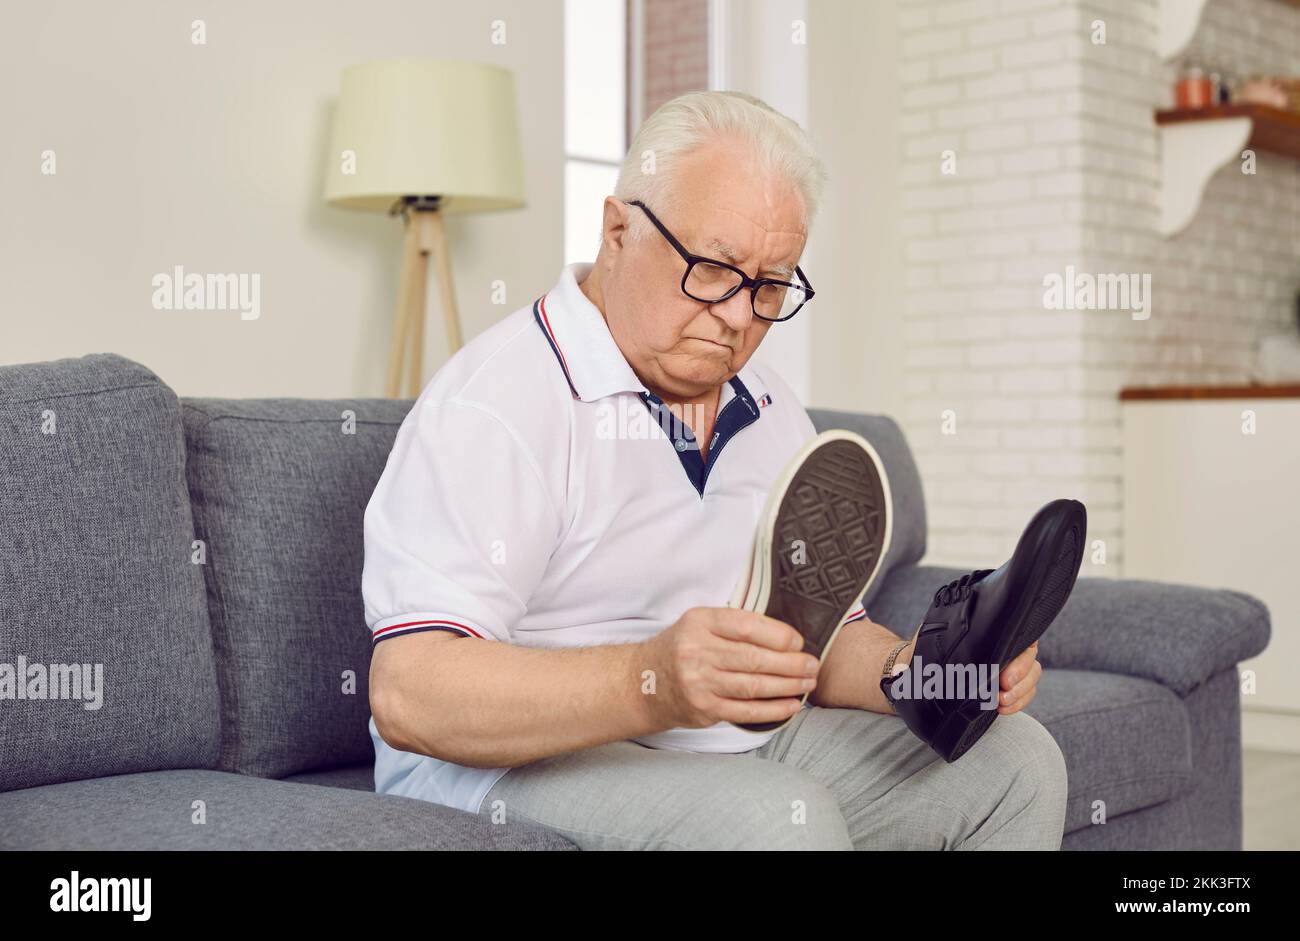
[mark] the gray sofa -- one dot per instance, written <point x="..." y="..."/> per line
<point x="207" y="555"/>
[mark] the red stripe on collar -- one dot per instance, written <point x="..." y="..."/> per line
<point x="550" y="332"/>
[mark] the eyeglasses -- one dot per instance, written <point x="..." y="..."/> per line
<point x="711" y="281"/>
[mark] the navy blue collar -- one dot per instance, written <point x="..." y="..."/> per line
<point x="741" y="411"/>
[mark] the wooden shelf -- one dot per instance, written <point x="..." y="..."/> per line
<point x="1196" y="142"/>
<point x="1140" y="393"/>
<point x="1272" y="129"/>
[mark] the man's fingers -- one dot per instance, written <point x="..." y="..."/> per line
<point x="743" y="657"/>
<point x="1019" y="704"/>
<point x="755" y="628"/>
<point x="755" y="710"/>
<point x="1023" y="687"/>
<point x="1019" y="667"/>
<point x="730" y="685"/>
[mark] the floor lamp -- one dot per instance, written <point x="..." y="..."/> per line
<point x="420" y="139"/>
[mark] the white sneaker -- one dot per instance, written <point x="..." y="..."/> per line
<point x="819" y="543"/>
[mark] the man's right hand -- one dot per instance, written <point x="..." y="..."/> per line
<point x="727" y="665"/>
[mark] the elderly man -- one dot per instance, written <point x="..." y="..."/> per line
<point x="547" y="584"/>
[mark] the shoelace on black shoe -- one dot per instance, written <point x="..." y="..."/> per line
<point x="958" y="589"/>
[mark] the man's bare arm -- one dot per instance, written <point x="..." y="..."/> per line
<point x="850" y="674"/>
<point x="487" y="704"/>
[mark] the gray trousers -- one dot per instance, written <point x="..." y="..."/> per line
<point x="831" y="779"/>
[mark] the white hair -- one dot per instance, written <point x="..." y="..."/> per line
<point x="781" y="147"/>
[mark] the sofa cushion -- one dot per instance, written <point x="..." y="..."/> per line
<point x="96" y="571"/>
<point x="1208" y="816"/>
<point x="907" y="541"/>
<point x="158" y="811"/>
<point x="279" y="489"/>
<point x="1188" y="634"/>
<point x="354" y="777"/>
<point x="1127" y="742"/>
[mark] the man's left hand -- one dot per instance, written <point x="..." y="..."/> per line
<point x="1019" y="681"/>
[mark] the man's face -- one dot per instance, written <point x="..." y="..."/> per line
<point x="729" y="211"/>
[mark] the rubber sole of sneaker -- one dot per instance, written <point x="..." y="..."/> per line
<point x="831" y="507"/>
<point x="1048" y="556"/>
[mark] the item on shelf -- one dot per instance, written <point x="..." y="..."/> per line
<point x="1264" y="90"/>
<point x="1290" y="85"/>
<point x="1194" y="89"/>
<point x="1218" y="91"/>
<point x="1278" y="359"/>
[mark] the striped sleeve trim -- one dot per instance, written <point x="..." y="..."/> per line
<point x="416" y="624"/>
<point x="858" y="614"/>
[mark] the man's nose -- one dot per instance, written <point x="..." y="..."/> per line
<point x="736" y="311"/>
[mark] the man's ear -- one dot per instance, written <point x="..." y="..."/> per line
<point x="614" y="226"/>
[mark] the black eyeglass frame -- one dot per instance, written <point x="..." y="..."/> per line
<point x="745" y="280"/>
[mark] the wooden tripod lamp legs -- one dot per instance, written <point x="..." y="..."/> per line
<point x="425" y="236"/>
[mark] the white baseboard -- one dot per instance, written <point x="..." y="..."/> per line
<point x="1270" y="731"/>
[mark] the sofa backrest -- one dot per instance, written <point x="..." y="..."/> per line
<point x="907" y="541"/>
<point x="206" y="556"/>
<point x="106" y="663"/>
<point x="279" y="490"/>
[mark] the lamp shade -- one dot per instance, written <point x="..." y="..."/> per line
<point x="426" y="127"/>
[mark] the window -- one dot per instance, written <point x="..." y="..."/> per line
<point x="595" y="117"/>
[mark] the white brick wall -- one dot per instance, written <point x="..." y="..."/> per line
<point x="1057" y="160"/>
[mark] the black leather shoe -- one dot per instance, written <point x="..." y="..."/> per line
<point x="981" y="621"/>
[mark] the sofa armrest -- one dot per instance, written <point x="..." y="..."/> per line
<point x="1176" y="635"/>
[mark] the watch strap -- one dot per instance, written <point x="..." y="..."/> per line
<point x="887" y="672"/>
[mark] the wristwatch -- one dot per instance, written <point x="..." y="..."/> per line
<point x="887" y="672"/>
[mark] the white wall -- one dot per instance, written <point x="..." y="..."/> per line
<point x="1000" y="86"/>
<point x="856" y="319"/>
<point x="212" y="157"/>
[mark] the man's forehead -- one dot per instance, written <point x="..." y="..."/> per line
<point x="727" y="227"/>
<point x="724" y="250"/>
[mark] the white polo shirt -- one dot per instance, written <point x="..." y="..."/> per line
<point x="532" y="497"/>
